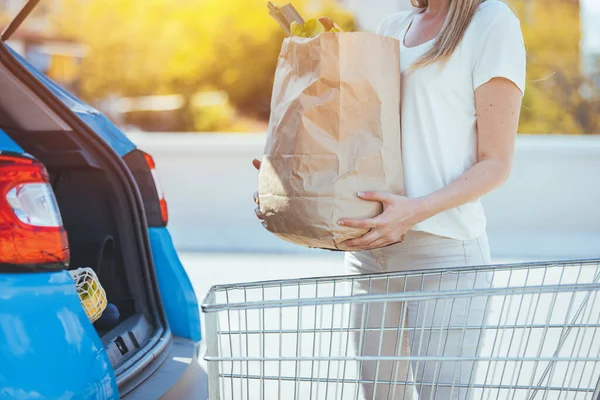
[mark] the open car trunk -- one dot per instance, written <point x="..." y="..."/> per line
<point x="96" y="220"/>
<point x="102" y="213"/>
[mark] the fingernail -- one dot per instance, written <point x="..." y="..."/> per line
<point x="341" y="223"/>
<point x="361" y="194"/>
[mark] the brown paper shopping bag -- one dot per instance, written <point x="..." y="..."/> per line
<point x="334" y="130"/>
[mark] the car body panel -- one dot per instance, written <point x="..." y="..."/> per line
<point x="7" y="144"/>
<point x="180" y="376"/>
<point x="48" y="347"/>
<point x="178" y="297"/>
<point x="180" y="304"/>
<point x="57" y="353"/>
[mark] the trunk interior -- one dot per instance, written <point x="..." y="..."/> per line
<point x="104" y="222"/>
<point x="84" y="199"/>
<point x="98" y="238"/>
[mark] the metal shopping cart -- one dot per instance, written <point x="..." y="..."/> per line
<point x="523" y="331"/>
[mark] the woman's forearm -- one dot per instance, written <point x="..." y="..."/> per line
<point x="498" y="103"/>
<point x="482" y="178"/>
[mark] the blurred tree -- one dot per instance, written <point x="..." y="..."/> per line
<point x="150" y="47"/>
<point x="555" y="100"/>
<point x="144" y="47"/>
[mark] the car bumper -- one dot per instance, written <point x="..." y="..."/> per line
<point x="179" y="376"/>
<point x="48" y="347"/>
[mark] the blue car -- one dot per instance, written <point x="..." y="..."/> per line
<point x="75" y="192"/>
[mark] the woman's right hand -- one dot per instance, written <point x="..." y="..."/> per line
<point x="259" y="215"/>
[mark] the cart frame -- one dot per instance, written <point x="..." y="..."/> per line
<point x="253" y="329"/>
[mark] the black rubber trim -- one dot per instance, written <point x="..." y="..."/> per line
<point x="126" y="180"/>
<point x="46" y="267"/>
<point x="59" y="148"/>
<point x="141" y="172"/>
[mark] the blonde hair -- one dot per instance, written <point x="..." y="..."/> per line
<point x="459" y="17"/>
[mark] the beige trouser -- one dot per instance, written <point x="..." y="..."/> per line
<point x="420" y="251"/>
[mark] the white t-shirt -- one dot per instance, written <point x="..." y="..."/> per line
<point x="439" y="129"/>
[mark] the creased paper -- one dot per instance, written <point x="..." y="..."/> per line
<point x="334" y="130"/>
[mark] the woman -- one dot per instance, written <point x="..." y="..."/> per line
<point x="463" y="78"/>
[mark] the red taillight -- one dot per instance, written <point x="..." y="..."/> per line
<point x="164" y="212"/>
<point x="31" y="230"/>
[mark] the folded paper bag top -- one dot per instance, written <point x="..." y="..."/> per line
<point x="334" y="131"/>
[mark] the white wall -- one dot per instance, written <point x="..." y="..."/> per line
<point x="369" y="13"/>
<point x="590" y="39"/>
<point x="549" y="208"/>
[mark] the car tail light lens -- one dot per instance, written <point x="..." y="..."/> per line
<point x="143" y="169"/>
<point x="34" y="204"/>
<point x="164" y="212"/>
<point x="31" y="229"/>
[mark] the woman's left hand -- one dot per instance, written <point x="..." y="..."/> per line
<point x="399" y="215"/>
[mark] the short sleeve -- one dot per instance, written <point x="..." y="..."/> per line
<point x="502" y="52"/>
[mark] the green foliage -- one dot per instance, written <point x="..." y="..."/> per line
<point x="555" y="100"/>
<point x="213" y="116"/>
<point x="153" y="47"/>
<point x="148" y="47"/>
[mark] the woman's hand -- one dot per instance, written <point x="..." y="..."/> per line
<point x="259" y="215"/>
<point x="399" y="215"/>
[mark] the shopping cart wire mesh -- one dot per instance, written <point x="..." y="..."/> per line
<point x="521" y="331"/>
